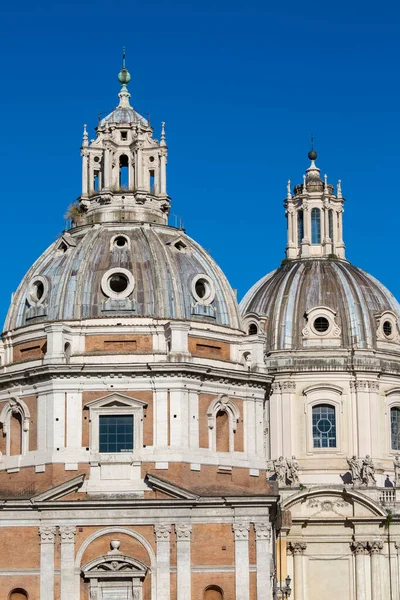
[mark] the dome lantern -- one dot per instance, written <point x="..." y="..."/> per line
<point x="314" y="216"/>
<point x="124" y="168"/>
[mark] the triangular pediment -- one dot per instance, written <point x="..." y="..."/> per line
<point x="116" y="565"/>
<point x="59" y="491"/>
<point x="116" y="400"/>
<point x="65" y="242"/>
<point x="168" y="488"/>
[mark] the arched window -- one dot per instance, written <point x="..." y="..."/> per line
<point x="300" y="227"/>
<point x="223" y="417"/>
<point x="222" y="431"/>
<point x="67" y="352"/>
<point x="15" y="419"/>
<point x="123" y="172"/>
<point x="18" y="594"/>
<point x="213" y="592"/>
<point x="253" y="330"/>
<point x="324" y="426"/>
<point x="395" y="427"/>
<point x="315" y="226"/>
<point x="15" y="434"/>
<point x="330" y="225"/>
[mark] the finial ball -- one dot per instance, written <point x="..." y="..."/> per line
<point x="124" y="76"/>
<point x="312" y="155"/>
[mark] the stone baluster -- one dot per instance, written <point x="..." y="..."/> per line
<point x="242" y="579"/>
<point x="183" y="563"/>
<point x="360" y="549"/>
<point x="263" y="560"/>
<point x="47" y="537"/>
<point x="67" y="535"/>
<point x="162" y="533"/>
<point x="375" y="550"/>
<point x="297" y="549"/>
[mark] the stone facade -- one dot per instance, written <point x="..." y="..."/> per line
<point x="132" y="403"/>
<point x="160" y="443"/>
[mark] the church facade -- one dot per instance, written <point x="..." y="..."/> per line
<point x="160" y="442"/>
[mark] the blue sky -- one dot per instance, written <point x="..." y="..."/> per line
<point x="241" y="87"/>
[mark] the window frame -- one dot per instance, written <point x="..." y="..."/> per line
<point x="315" y="226"/>
<point x="110" y="405"/>
<point x="392" y="401"/>
<point x="329" y="395"/>
<point x="320" y="435"/>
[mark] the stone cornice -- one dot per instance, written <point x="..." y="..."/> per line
<point x="147" y="370"/>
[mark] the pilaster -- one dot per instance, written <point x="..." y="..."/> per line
<point x="67" y="535"/>
<point x="376" y="567"/>
<point x="263" y="560"/>
<point x="360" y="550"/>
<point x="242" y="580"/>
<point x="162" y="533"/>
<point x="47" y="537"/>
<point x="297" y="549"/>
<point x="183" y="564"/>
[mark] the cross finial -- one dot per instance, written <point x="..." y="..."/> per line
<point x="123" y="57"/>
<point x="312" y="141"/>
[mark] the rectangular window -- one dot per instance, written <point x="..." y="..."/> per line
<point x="124" y="135"/>
<point x="151" y="182"/>
<point x="116" y="433"/>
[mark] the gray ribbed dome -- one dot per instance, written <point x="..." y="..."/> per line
<point x="287" y="294"/>
<point x="162" y="264"/>
<point x="122" y="115"/>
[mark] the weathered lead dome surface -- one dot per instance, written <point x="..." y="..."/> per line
<point x="161" y="263"/>
<point x="287" y="294"/>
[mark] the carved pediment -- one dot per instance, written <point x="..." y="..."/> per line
<point x="116" y="400"/>
<point x="114" y="565"/>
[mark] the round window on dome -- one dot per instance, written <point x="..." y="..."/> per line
<point x="203" y="289"/>
<point x="117" y="283"/>
<point x="387" y="328"/>
<point x="38" y="290"/>
<point x="321" y="324"/>
<point x="120" y="241"/>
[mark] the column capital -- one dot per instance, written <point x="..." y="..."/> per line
<point x="241" y="531"/>
<point x="162" y="532"/>
<point x="297" y="548"/>
<point x="67" y="533"/>
<point x="47" y="534"/>
<point x="375" y="547"/>
<point x="359" y="547"/>
<point x="183" y="531"/>
<point x="263" y="530"/>
<point x="397" y="546"/>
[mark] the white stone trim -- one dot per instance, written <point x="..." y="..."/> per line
<point x="120" y="235"/>
<point x="225" y="404"/>
<point x="323" y="394"/>
<point x="107" y="406"/>
<point x="105" y="286"/>
<point x="13" y="406"/>
<point x="31" y="290"/>
<point x="210" y="289"/>
<point x="106" y="531"/>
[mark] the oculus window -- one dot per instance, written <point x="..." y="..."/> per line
<point x="116" y="433"/>
<point x="324" y="426"/>
<point x="395" y="427"/>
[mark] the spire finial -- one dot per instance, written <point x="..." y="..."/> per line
<point x="85" y="136"/>
<point x="124" y="78"/>
<point x="312" y="155"/>
<point x="339" y="189"/>
<point x="289" y="194"/>
<point x="162" y="141"/>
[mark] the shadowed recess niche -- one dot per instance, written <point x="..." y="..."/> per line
<point x="18" y="594"/>
<point x="213" y="592"/>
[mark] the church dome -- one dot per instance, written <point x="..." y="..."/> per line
<point x="135" y="270"/>
<point x="325" y="302"/>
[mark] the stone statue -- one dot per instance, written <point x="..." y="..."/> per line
<point x="396" y="463"/>
<point x="293" y="471"/>
<point x="355" y="468"/>
<point x="368" y="470"/>
<point x="281" y="469"/>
